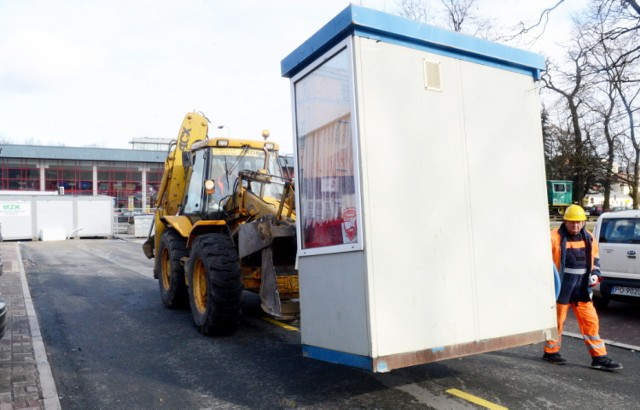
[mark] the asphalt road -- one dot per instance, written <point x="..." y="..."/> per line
<point x="112" y="345"/>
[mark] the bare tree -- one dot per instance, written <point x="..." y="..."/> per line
<point x="460" y="15"/>
<point x="600" y="97"/>
<point x="634" y="5"/>
<point x="536" y="29"/>
<point x="559" y="148"/>
<point x="416" y="10"/>
<point x="628" y="89"/>
<point x="522" y="28"/>
<point x="615" y="57"/>
<point x="457" y="12"/>
<point x="32" y="141"/>
<point x="618" y="26"/>
<point x="572" y="85"/>
<point x="602" y="103"/>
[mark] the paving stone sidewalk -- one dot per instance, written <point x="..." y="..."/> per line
<point x="25" y="376"/>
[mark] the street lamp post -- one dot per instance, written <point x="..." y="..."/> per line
<point x="228" y="130"/>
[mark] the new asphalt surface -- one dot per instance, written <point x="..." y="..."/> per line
<point x="26" y="380"/>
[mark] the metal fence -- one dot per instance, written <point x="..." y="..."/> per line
<point x="124" y="221"/>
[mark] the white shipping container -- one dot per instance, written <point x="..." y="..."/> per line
<point x="33" y="217"/>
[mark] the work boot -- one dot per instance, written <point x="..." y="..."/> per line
<point x="604" y="363"/>
<point x="554" y="358"/>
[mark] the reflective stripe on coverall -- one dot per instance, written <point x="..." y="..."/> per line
<point x="575" y="258"/>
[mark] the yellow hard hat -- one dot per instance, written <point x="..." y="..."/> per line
<point x="574" y="213"/>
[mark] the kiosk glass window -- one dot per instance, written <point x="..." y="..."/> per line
<point x="329" y="209"/>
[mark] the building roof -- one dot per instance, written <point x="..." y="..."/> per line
<point x="80" y="153"/>
<point x="364" y="22"/>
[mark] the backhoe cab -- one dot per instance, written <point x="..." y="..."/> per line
<point x="224" y="222"/>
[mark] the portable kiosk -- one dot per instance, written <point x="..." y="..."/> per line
<point x="423" y="229"/>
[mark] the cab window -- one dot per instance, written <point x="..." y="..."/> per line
<point x="193" y="200"/>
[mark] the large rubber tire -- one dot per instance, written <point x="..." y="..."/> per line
<point x="170" y="270"/>
<point x="215" y="285"/>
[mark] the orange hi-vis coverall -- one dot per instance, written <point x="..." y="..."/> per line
<point x="576" y="257"/>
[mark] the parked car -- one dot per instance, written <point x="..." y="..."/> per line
<point x="595" y="210"/>
<point x="618" y="235"/>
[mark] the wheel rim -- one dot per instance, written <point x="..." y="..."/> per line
<point x="166" y="270"/>
<point x="200" y="286"/>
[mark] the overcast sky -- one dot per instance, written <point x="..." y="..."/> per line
<point x="83" y="72"/>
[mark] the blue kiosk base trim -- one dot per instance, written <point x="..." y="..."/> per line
<point x="333" y="356"/>
<point x="387" y="363"/>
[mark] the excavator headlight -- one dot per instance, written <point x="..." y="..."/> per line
<point x="223" y="143"/>
<point x="268" y="145"/>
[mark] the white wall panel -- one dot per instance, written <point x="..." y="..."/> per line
<point x="443" y="172"/>
<point x="333" y="302"/>
<point x="54" y="213"/>
<point x="94" y="216"/>
<point x="16" y="217"/>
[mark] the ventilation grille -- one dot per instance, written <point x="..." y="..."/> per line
<point x="432" y="75"/>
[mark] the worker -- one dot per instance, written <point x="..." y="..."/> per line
<point x="215" y="188"/>
<point x="219" y="174"/>
<point x="575" y="254"/>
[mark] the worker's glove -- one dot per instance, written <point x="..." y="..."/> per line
<point x="594" y="280"/>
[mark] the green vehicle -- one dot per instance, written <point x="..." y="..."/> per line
<point x="559" y="196"/>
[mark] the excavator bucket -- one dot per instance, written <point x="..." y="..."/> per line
<point x="269" y="294"/>
<point x="147" y="247"/>
<point x="259" y="236"/>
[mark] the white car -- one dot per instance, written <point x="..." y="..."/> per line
<point x="618" y="235"/>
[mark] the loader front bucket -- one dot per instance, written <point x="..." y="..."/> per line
<point x="147" y="247"/>
<point x="261" y="236"/>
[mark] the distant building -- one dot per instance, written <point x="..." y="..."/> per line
<point x="619" y="197"/>
<point x="131" y="176"/>
<point x="151" y="144"/>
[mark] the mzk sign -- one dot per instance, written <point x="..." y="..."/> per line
<point x="15" y="208"/>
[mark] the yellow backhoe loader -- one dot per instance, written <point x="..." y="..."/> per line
<point x="224" y="223"/>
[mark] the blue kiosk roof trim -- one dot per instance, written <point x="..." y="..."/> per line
<point x="385" y="27"/>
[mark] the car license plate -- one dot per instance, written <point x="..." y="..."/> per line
<point x="625" y="290"/>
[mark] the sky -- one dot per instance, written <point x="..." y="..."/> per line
<point x="100" y="73"/>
